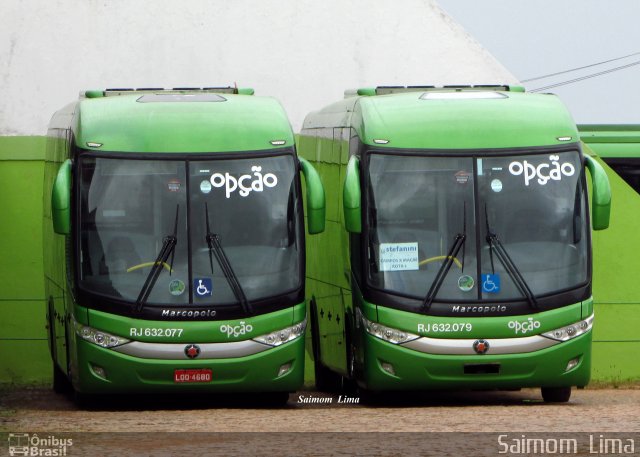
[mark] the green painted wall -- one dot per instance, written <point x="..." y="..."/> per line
<point x="616" y="288"/>
<point x="612" y="140"/>
<point x="24" y="356"/>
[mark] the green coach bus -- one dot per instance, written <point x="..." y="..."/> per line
<point x="458" y="245"/>
<point x="174" y="243"/>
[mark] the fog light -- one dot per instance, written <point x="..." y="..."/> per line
<point x="388" y="368"/>
<point x="99" y="371"/>
<point x="284" y="369"/>
<point x="572" y="364"/>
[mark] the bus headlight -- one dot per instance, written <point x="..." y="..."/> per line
<point x="102" y="339"/>
<point x="385" y="333"/>
<point x="569" y="332"/>
<point x="282" y="336"/>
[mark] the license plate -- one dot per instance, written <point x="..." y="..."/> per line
<point x="202" y="375"/>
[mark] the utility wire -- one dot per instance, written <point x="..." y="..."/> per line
<point x="579" y="68"/>
<point x="593" y="75"/>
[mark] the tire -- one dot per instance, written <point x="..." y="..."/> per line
<point x="61" y="384"/>
<point x="325" y="379"/>
<point x="274" y="399"/>
<point x="368" y="397"/>
<point x="556" y="394"/>
<point x="50" y="331"/>
<point x="85" y="401"/>
<point x="349" y="384"/>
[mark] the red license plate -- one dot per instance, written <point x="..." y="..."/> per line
<point x="203" y="375"/>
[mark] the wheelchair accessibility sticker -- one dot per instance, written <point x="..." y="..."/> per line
<point x="203" y="287"/>
<point x="490" y="283"/>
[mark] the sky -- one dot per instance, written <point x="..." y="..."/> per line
<point x="535" y="38"/>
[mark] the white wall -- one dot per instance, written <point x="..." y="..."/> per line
<point x="303" y="52"/>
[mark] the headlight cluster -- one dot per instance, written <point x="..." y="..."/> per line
<point x="385" y="333"/>
<point x="102" y="339"/>
<point x="570" y="331"/>
<point x="283" y="336"/>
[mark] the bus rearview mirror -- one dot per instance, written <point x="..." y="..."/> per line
<point x="61" y="200"/>
<point x="315" y="198"/>
<point x="601" y="195"/>
<point x="351" y="197"/>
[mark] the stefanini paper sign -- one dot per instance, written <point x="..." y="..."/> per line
<point x="398" y="256"/>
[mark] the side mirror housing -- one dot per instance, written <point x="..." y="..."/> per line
<point x="61" y="200"/>
<point x="352" y="196"/>
<point x="601" y="195"/>
<point x="316" y="206"/>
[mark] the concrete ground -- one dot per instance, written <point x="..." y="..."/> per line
<point x="156" y="425"/>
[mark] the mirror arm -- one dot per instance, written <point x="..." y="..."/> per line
<point x="601" y="195"/>
<point x="352" y="197"/>
<point x="61" y="200"/>
<point x="316" y="205"/>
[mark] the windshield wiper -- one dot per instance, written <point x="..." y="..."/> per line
<point x="458" y="243"/>
<point x="215" y="248"/>
<point x="167" y="249"/>
<point x="505" y="259"/>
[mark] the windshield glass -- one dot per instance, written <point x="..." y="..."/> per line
<point x="128" y="208"/>
<point x="253" y="209"/>
<point x="423" y="211"/>
<point x="417" y="206"/>
<point x="535" y="206"/>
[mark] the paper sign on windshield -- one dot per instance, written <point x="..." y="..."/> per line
<point x="398" y="256"/>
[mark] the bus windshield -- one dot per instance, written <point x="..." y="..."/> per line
<point x="131" y="210"/>
<point x="512" y="227"/>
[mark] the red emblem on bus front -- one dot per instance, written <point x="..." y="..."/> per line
<point x="192" y="351"/>
<point x="481" y="346"/>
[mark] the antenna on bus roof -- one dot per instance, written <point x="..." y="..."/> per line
<point x="385" y="90"/>
<point x="176" y="90"/>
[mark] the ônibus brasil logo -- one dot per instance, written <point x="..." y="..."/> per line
<point x="246" y="183"/>
<point x="32" y="444"/>
<point x="544" y="172"/>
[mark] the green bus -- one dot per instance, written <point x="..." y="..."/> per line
<point x="457" y="253"/>
<point x="174" y="243"/>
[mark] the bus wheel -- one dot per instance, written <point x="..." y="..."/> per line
<point x="556" y="394"/>
<point x="326" y="380"/>
<point x="84" y="401"/>
<point x="368" y="397"/>
<point x="274" y="399"/>
<point x="61" y="384"/>
<point x="349" y="384"/>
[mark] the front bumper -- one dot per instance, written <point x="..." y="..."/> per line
<point x="415" y="370"/>
<point x="129" y="374"/>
